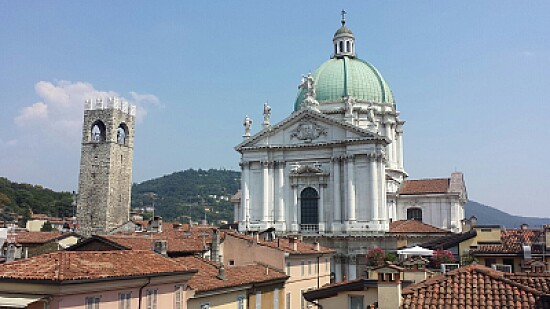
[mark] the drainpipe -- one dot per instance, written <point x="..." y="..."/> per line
<point x="141" y="291"/>
<point x="318" y="272"/>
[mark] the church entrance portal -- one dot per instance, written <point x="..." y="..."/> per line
<point x="309" y="210"/>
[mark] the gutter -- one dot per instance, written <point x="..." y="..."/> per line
<point x="141" y="291"/>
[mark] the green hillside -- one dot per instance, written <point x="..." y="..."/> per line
<point x="490" y="215"/>
<point x="189" y="194"/>
<point x="22" y="199"/>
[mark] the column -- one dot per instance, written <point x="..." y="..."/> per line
<point x="280" y="193"/>
<point x="245" y="197"/>
<point x="352" y="267"/>
<point x="265" y="211"/>
<point x="337" y="198"/>
<point x="337" y="268"/>
<point x="400" y="143"/>
<point x="395" y="148"/>
<point x="351" y="189"/>
<point x="373" y="186"/>
<point x="389" y="147"/>
<point x="382" y="207"/>
<point x="321" y="204"/>
<point x="295" y="203"/>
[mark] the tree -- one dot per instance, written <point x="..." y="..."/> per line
<point x="47" y="227"/>
<point x="4" y="200"/>
<point x="375" y="256"/>
<point x="442" y="257"/>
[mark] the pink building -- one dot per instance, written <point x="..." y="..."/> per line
<point x="125" y="279"/>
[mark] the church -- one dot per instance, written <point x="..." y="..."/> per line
<point x="335" y="165"/>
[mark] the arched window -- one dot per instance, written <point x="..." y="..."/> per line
<point x="335" y="48"/>
<point x="414" y="214"/>
<point x="342" y="47"/>
<point x="98" y="132"/>
<point x="309" y="207"/>
<point x="122" y="134"/>
<point x="348" y="46"/>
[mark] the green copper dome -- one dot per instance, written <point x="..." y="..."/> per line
<point x="348" y="76"/>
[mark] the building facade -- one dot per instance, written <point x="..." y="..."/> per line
<point x="335" y="165"/>
<point x="105" y="166"/>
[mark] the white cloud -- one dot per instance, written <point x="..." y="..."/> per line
<point x="35" y="112"/>
<point x="58" y="115"/>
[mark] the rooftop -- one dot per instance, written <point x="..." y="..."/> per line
<point x="90" y="265"/>
<point x="413" y="226"/>
<point x="512" y="242"/>
<point x="473" y="286"/>
<point x="206" y="279"/>
<point x="284" y="244"/>
<point x="425" y="186"/>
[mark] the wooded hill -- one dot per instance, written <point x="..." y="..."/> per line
<point x="22" y="199"/>
<point x="189" y="194"/>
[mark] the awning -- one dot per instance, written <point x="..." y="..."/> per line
<point x="416" y="250"/>
<point x="19" y="300"/>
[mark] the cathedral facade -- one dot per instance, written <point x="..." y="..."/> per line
<point x="335" y="165"/>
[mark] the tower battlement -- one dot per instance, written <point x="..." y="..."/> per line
<point x="110" y="103"/>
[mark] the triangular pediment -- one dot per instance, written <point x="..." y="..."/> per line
<point x="309" y="127"/>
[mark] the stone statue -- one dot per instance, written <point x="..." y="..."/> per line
<point x="247" y="124"/>
<point x="308" y="85"/>
<point x="267" y="114"/>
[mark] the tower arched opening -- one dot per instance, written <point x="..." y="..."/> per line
<point x="122" y="134"/>
<point x="98" y="132"/>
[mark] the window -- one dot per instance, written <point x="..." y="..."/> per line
<point x="414" y="214"/>
<point x="178" y="297"/>
<point x="303" y="268"/>
<point x="348" y="46"/>
<point x="258" y="299"/>
<point x="205" y="306"/>
<point x="309" y="267"/>
<point x="124" y="300"/>
<point x="240" y="302"/>
<point x="92" y="302"/>
<point x="152" y="298"/>
<point x="327" y="264"/>
<point x="490" y="261"/>
<point x="276" y="298"/>
<point x="341" y="46"/>
<point x="288" y="268"/>
<point x="356" y="302"/>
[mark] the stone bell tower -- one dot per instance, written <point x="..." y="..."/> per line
<point x="105" y="180"/>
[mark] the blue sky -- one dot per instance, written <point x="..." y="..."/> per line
<point x="470" y="79"/>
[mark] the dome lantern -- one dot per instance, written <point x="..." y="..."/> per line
<point x="343" y="40"/>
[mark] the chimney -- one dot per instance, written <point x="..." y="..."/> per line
<point x="266" y="271"/>
<point x="547" y="235"/>
<point x="256" y="238"/>
<point x="292" y="242"/>
<point x="221" y="272"/>
<point x="161" y="247"/>
<point x="317" y="247"/>
<point x="215" y="251"/>
<point x="389" y="287"/>
<point x="155" y="224"/>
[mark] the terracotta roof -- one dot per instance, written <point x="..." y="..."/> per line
<point x="448" y="241"/>
<point x="512" y="242"/>
<point x="176" y="243"/>
<point x="414" y="226"/>
<point x="236" y="197"/>
<point x="473" y="286"/>
<point x="89" y="265"/>
<point x="425" y="186"/>
<point x="27" y="238"/>
<point x="283" y="244"/>
<point x="206" y="279"/>
<point x="537" y="281"/>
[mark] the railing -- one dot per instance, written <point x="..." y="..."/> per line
<point x="309" y="228"/>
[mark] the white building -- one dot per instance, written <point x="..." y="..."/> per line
<point x="335" y="165"/>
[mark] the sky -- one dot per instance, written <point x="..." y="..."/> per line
<point x="470" y="79"/>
